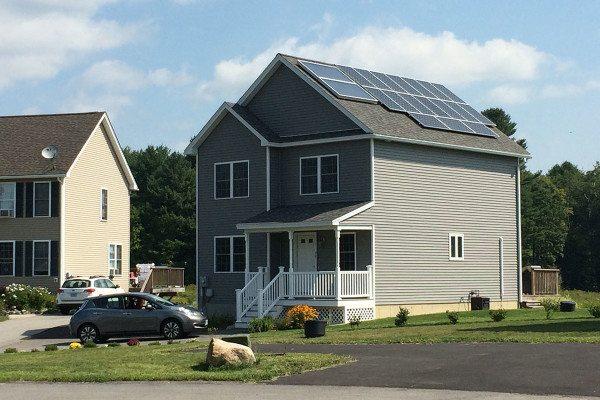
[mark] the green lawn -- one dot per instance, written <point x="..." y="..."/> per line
<point x="526" y="326"/>
<point x="175" y="362"/>
<point x="581" y="297"/>
<point x="3" y="317"/>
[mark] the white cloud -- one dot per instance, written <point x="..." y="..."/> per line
<point x="39" y="38"/>
<point x="403" y="51"/>
<point x="569" y="90"/>
<point x="510" y="94"/>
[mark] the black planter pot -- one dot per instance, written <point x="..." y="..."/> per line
<point x="314" y="328"/>
<point x="567" y="306"/>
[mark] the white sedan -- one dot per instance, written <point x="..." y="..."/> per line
<point x="75" y="291"/>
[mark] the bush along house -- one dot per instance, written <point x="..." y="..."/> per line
<point x="64" y="200"/>
<point x="356" y="192"/>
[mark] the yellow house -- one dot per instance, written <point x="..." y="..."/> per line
<point x="64" y="199"/>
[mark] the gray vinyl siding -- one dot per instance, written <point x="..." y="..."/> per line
<point x="421" y="195"/>
<point x="290" y="106"/>
<point x="354" y="172"/>
<point x="326" y="250"/>
<point x="230" y="141"/>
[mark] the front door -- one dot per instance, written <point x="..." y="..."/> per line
<point x="306" y="252"/>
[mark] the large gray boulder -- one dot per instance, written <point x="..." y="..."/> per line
<point x="222" y="353"/>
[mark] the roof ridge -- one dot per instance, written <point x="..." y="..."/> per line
<point x="51" y="115"/>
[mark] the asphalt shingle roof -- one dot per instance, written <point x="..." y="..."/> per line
<point x="23" y="137"/>
<point x="321" y="213"/>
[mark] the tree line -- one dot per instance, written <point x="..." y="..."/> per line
<point x="560" y="212"/>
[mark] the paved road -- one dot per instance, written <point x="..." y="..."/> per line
<point x="15" y="331"/>
<point x="567" y="369"/>
<point x="206" y="390"/>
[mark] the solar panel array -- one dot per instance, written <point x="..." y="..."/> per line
<point x="430" y="104"/>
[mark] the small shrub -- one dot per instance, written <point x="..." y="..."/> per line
<point x="452" y="316"/>
<point x="550" y="305"/>
<point x="261" y="324"/>
<point x="212" y="330"/>
<point x="18" y="296"/>
<point x="75" y="346"/>
<point x="280" y="324"/>
<point x="90" y="345"/>
<point x="220" y="321"/>
<point x="354" y="321"/>
<point x="296" y="316"/>
<point x="11" y="350"/>
<point x="114" y="344"/>
<point x="154" y="344"/>
<point x="498" y="315"/>
<point x="133" y="342"/>
<point x="51" y="347"/>
<point x="34" y="350"/>
<point x="594" y="310"/>
<point x="401" y="317"/>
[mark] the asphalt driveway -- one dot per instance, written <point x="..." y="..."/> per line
<point x="20" y="328"/>
<point x="564" y="369"/>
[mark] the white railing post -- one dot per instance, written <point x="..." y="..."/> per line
<point x="238" y="305"/>
<point x="370" y="281"/>
<point x="281" y="282"/>
<point x="338" y="274"/>
<point x="259" y="296"/>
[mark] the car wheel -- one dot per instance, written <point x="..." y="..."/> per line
<point x="89" y="332"/>
<point x="65" y="310"/>
<point x="171" y="329"/>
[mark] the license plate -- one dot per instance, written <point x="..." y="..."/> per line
<point x="73" y="294"/>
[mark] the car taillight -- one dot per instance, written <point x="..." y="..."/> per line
<point x="90" y="290"/>
<point x="59" y="291"/>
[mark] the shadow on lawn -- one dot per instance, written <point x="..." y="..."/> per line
<point x="591" y="325"/>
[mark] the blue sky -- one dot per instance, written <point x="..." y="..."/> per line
<point x="161" y="68"/>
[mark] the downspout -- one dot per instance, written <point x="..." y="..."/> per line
<point x="199" y="289"/>
<point x="519" y="252"/>
<point x="62" y="268"/>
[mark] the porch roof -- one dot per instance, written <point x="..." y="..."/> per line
<point x="305" y="215"/>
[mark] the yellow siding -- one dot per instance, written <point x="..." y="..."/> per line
<point x="86" y="236"/>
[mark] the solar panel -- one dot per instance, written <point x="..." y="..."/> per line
<point x="430" y="104"/>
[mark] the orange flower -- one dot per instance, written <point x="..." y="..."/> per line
<point x="297" y="315"/>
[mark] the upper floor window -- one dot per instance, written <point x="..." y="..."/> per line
<point x="231" y="179"/>
<point x="319" y="174"/>
<point x="115" y="259"/>
<point x="7" y="258"/>
<point x="41" y="257"/>
<point x="230" y="253"/>
<point x="41" y="199"/>
<point x="8" y="199"/>
<point x="456" y="246"/>
<point x="103" y="204"/>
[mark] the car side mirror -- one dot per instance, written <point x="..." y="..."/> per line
<point x="149" y="307"/>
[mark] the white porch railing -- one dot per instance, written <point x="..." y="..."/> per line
<point x="247" y="296"/>
<point x="303" y="285"/>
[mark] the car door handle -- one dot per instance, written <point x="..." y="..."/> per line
<point x="96" y="313"/>
<point x="126" y="313"/>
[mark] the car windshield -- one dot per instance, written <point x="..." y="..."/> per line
<point x="76" y="284"/>
<point x="160" y="301"/>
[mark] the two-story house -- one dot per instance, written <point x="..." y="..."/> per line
<point x="354" y="191"/>
<point x="64" y="200"/>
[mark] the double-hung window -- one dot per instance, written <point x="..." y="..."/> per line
<point x="7" y="258"/>
<point x="115" y="259"/>
<point x="319" y="174"/>
<point x="456" y="246"/>
<point x="348" y="251"/>
<point x="8" y="199"/>
<point x="103" y="204"/>
<point x="41" y="199"/>
<point x="231" y="179"/>
<point x="230" y="253"/>
<point x="41" y="257"/>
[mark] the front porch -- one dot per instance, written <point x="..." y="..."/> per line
<point x="324" y="264"/>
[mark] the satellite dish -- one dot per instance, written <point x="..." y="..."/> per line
<point x="50" y="152"/>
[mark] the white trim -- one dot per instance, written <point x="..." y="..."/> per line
<point x="230" y="237"/>
<point x="353" y="213"/>
<point x="355" y="250"/>
<point x="373" y="265"/>
<point x="231" y="196"/>
<point x="14" y="200"/>
<point x="456" y="235"/>
<point x="49" y="199"/>
<point x="11" y="177"/>
<point x="14" y="255"/>
<point x="102" y="189"/>
<point x="62" y="268"/>
<point x="501" y="262"/>
<point x="372" y="150"/>
<point x="112" y="137"/>
<point x="311" y="235"/>
<point x="33" y="257"/>
<point x="519" y="243"/>
<point x="212" y="123"/>
<point x="362" y="136"/>
<point x="354" y="227"/>
<point x="199" y="290"/>
<point x="268" y="173"/>
<point x="319" y="157"/>
<point x="108" y="247"/>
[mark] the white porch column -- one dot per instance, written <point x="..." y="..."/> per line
<point x="338" y="272"/>
<point x="247" y="269"/>
<point x="268" y="269"/>
<point x="291" y="280"/>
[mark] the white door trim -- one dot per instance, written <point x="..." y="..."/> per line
<point x="297" y="241"/>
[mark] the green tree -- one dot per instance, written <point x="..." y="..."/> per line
<point x="545" y="219"/>
<point x="163" y="210"/>
<point x="503" y="122"/>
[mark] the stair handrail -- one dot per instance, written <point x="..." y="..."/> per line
<point x="248" y="295"/>
<point x="273" y="292"/>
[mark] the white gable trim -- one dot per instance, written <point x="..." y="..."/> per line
<point x="112" y="137"/>
<point x="212" y="124"/>
<point x="353" y="213"/>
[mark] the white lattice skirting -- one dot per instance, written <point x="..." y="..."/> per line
<point x="362" y="313"/>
